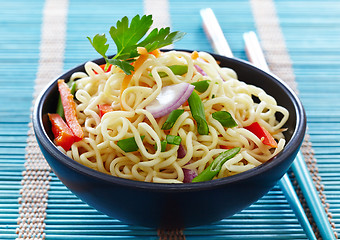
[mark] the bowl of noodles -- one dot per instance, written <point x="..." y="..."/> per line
<point x="189" y="139"/>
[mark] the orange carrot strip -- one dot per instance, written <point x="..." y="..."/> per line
<point x="140" y="61"/>
<point x="142" y="50"/>
<point x="156" y="53"/>
<point x="70" y="110"/>
<point x="62" y="133"/>
<point x="194" y="55"/>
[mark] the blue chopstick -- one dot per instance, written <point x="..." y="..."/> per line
<point x="308" y="189"/>
<point x="255" y="54"/>
<point x="288" y="190"/>
<point x="220" y="45"/>
<point x="299" y="167"/>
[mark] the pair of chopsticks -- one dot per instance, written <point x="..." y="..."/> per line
<point x="256" y="56"/>
<point x="299" y="167"/>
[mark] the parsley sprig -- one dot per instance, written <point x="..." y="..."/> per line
<point x="128" y="38"/>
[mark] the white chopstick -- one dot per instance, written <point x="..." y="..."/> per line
<point x="214" y="32"/>
<point x="221" y="46"/>
<point x="254" y="51"/>
<point x="299" y="166"/>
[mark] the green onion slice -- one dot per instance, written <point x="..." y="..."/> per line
<point x="163" y="145"/>
<point x="172" y="118"/>
<point x="215" y="167"/>
<point x="201" y="86"/>
<point x="172" y="139"/>
<point x="176" y="69"/>
<point x="197" y="111"/>
<point x="129" y="144"/>
<point x="225" y="119"/>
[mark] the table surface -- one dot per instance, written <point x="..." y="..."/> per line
<point x="311" y="30"/>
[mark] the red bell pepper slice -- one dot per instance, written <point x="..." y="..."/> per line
<point x="70" y="110"/>
<point x="262" y="134"/>
<point x="104" y="108"/>
<point x="225" y="147"/>
<point x="62" y="133"/>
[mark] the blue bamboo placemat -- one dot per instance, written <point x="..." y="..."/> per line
<point x="312" y="33"/>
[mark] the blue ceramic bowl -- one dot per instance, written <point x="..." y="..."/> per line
<point x="174" y="205"/>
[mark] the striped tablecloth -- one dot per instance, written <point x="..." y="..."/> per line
<point x="40" y="39"/>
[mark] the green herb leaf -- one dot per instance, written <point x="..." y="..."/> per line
<point x="160" y="38"/>
<point x="124" y="65"/>
<point x="224" y="118"/>
<point x="99" y="43"/>
<point x="128" y="37"/>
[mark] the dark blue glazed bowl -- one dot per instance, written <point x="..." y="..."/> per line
<point x="174" y="205"/>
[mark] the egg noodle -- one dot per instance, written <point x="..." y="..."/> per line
<point x="99" y="150"/>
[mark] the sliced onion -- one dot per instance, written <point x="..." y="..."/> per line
<point x="200" y="70"/>
<point x="189" y="174"/>
<point x="170" y="98"/>
<point x="181" y="151"/>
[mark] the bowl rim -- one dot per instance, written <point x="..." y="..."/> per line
<point x="292" y="146"/>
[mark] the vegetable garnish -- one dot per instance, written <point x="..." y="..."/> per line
<point x="197" y="110"/>
<point x="156" y="53"/>
<point x="62" y="133"/>
<point x="189" y="175"/>
<point x="129" y="144"/>
<point x="70" y="110"/>
<point x="60" y="109"/>
<point x="142" y="58"/>
<point x="128" y="37"/>
<point x="215" y="167"/>
<point x="104" y="108"/>
<point x="262" y="134"/>
<point x="181" y="151"/>
<point x="172" y="118"/>
<point x="201" y="86"/>
<point x="225" y="119"/>
<point x="200" y="70"/>
<point x="170" y="98"/>
<point x="163" y="146"/>
<point x="194" y="55"/>
<point x="106" y="68"/>
<point x="172" y="139"/>
<point x="176" y="69"/>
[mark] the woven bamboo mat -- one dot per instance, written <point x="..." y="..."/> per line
<point x="40" y="39"/>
